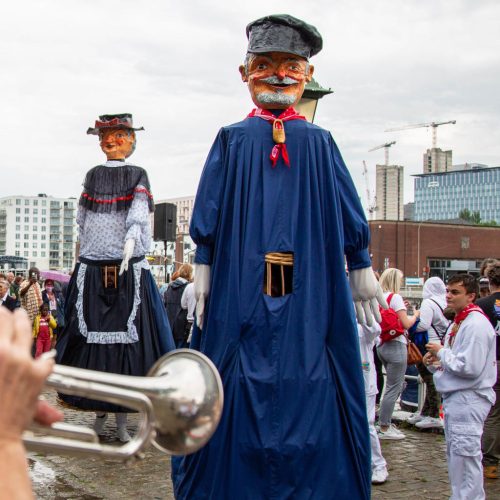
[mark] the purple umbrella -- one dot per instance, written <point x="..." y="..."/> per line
<point x="56" y="276"/>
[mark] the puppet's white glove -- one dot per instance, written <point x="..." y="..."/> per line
<point x="128" y="251"/>
<point x="201" y="290"/>
<point x="367" y="295"/>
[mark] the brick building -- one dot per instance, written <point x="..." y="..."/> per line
<point x="422" y="249"/>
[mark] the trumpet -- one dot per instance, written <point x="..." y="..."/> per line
<point x="179" y="402"/>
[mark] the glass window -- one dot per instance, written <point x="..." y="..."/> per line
<point x="43" y="245"/>
<point x="35" y="220"/>
<point x="44" y="220"/>
<point x="34" y="253"/>
<point x="43" y="254"/>
<point x="18" y="236"/>
<point x="18" y="228"/>
<point x="18" y="210"/>
<point x="18" y="253"/>
<point x="35" y="210"/>
<point x="44" y="228"/>
<point x="42" y="237"/>
<point x="18" y="201"/>
<point x="26" y="219"/>
<point x="26" y="236"/>
<point x="26" y="228"/>
<point x="44" y="203"/>
<point x="44" y="211"/>
<point x="26" y="254"/>
<point x="18" y="244"/>
<point x="35" y="202"/>
<point x="26" y="210"/>
<point x="26" y="244"/>
<point x="26" y="202"/>
<point x="35" y="229"/>
<point x="35" y="236"/>
<point x="35" y="245"/>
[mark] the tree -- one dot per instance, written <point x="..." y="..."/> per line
<point x="466" y="214"/>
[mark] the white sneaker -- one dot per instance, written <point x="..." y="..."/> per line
<point x="123" y="435"/>
<point x="390" y="433"/>
<point x="379" y="476"/>
<point x="414" y="418"/>
<point x="429" y="423"/>
<point x="99" y="422"/>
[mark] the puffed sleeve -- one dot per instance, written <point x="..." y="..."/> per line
<point x="138" y="223"/>
<point x="205" y="217"/>
<point x="356" y="231"/>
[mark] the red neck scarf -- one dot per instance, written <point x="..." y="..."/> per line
<point x="460" y="317"/>
<point x="276" y="121"/>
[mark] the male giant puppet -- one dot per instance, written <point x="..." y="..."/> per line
<point x="115" y="319"/>
<point x="275" y="213"/>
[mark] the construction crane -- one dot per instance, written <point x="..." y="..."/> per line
<point x="372" y="202"/>
<point x="433" y="125"/>
<point x="386" y="146"/>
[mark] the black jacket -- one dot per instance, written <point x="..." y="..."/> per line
<point x="10" y="303"/>
<point x="491" y="307"/>
<point x="177" y="317"/>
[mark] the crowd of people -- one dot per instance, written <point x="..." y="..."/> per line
<point x="43" y="302"/>
<point x="457" y="330"/>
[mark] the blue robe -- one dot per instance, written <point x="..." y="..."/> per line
<point x="294" y="423"/>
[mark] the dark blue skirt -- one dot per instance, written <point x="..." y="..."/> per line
<point x="107" y="310"/>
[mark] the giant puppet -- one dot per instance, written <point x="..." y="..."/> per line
<point x="115" y="319"/>
<point x="275" y="214"/>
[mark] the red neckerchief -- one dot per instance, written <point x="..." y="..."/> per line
<point x="460" y="317"/>
<point x="287" y="115"/>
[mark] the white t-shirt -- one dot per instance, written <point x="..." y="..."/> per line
<point x="396" y="304"/>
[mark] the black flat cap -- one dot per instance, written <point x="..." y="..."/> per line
<point x="283" y="33"/>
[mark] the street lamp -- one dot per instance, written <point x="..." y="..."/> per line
<point x="313" y="92"/>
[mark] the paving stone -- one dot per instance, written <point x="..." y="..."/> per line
<point x="417" y="468"/>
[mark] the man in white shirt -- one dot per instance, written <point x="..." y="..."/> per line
<point x="464" y="373"/>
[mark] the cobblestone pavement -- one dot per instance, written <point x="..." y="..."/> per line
<point x="417" y="467"/>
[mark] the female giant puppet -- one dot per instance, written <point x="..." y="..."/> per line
<point x="275" y="213"/>
<point x="115" y="319"/>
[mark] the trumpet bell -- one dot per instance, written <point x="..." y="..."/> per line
<point x="187" y="398"/>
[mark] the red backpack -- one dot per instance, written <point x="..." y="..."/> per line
<point x="390" y="325"/>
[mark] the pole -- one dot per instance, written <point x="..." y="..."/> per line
<point x="165" y="261"/>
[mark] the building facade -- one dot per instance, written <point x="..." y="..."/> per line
<point x="441" y="196"/>
<point x="437" y="160"/>
<point x="40" y="228"/>
<point x="389" y="192"/>
<point x="424" y="249"/>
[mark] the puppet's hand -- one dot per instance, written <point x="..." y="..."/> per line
<point x="201" y="291"/>
<point x="128" y="251"/>
<point x="367" y="295"/>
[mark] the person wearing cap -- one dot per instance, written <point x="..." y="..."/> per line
<point x="275" y="213"/>
<point x="115" y="320"/>
<point x="484" y="288"/>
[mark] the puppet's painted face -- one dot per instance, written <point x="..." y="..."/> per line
<point x="117" y="143"/>
<point x="276" y="80"/>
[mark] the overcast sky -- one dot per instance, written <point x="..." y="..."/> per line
<point x="174" y="65"/>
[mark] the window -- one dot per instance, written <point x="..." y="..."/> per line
<point x="26" y="244"/>
<point x="44" y="211"/>
<point x="18" y="201"/>
<point x="35" y="245"/>
<point x="35" y="229"/>
<point x="18" y="253"/>
<point x="26" y="254"/>
<point x="35" y="220"/>
<point x="26" y="210"/>
<point x="26" y="236"/>
<point x="26" y="202"/>
<point x="35" y="202"/>
<point x="18" y="244"/>
<point x="42" y="245"/>
<point x="44" y="203"/>
<point x="26" y="228"/>
<point x="26" y="219"/>
<point x="34" y="253"/>
<point x="18" y="210"/>
<point x="18" y="236"/>
<point x="42" y="237"/>
<point x="42" y="254"/>
<point x="35" y="236"/>
<point x="18" y="219"/>
<point x="18" y="227"/>
<point x="44" y="228"/>
<point x="35" y="210"/>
